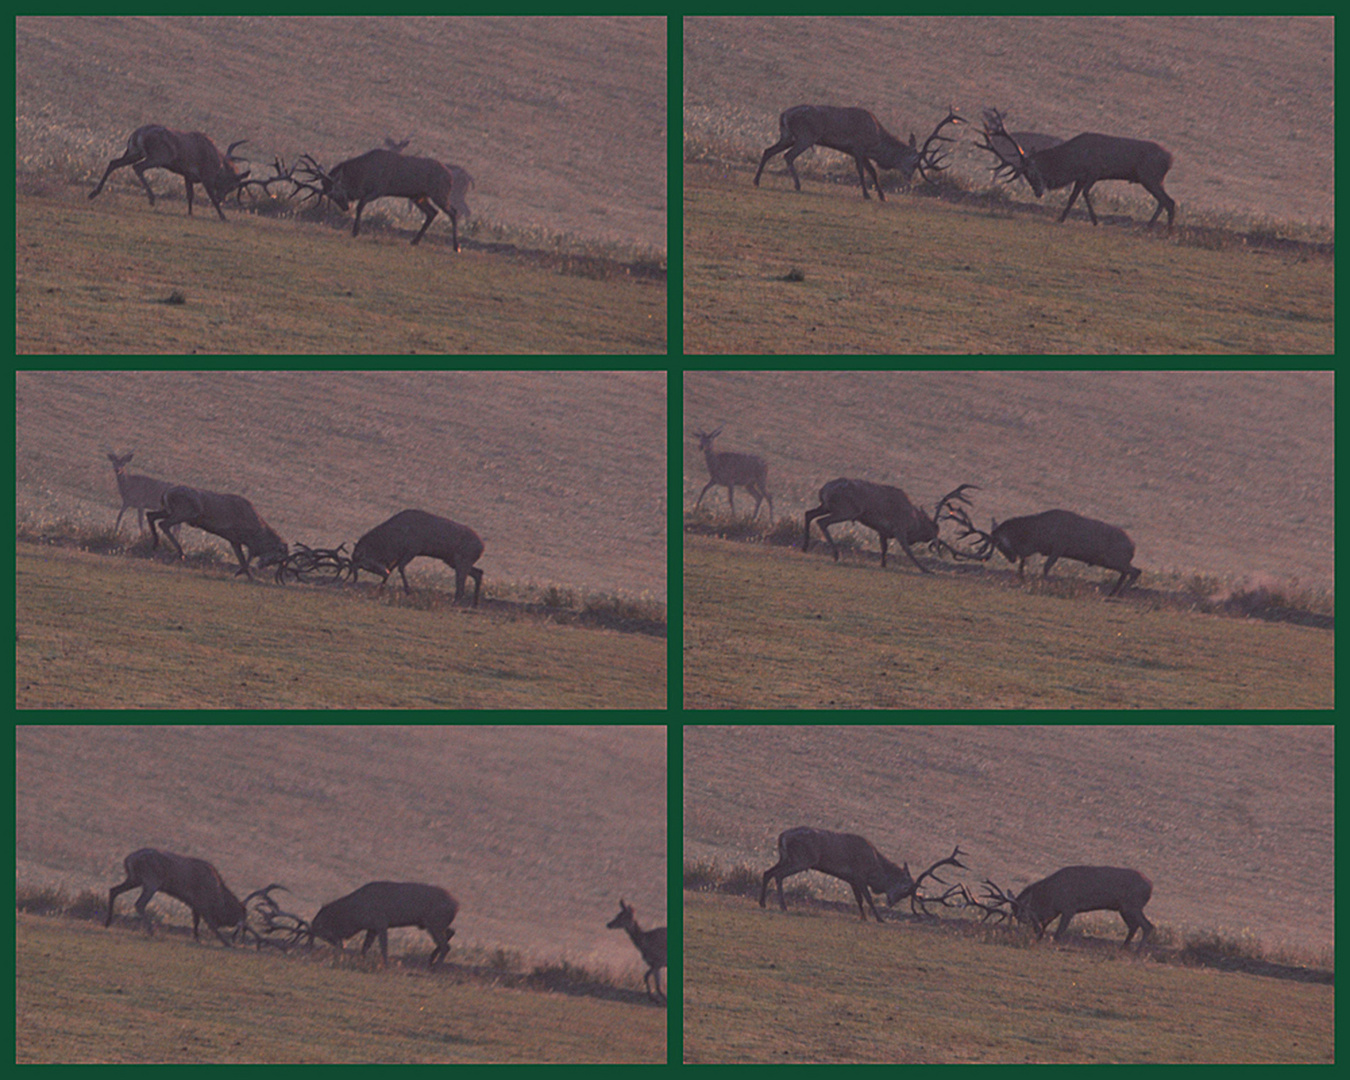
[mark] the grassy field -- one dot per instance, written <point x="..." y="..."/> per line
<point x="106" y="632"/>
<point x="821" y="987"/>
<point x="97" y="278"/>
<point x="89" y="995"/>
<point x="1248" y="270"/>
<point x="564" y="251"/>
<point x="766" y="627"/>
<point x="497" y="814"/>
<point x="770" y="270"/>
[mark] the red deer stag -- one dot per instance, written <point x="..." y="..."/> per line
<point x="1084" y="160"/>
<point x="727" y="469"/>
<point x="884" y="509"/>
<point x="386" y="174"/>
<point x="193" y="881"/>
<point x="380" y="905"/>
<point x="1073" y="889"/>
<point x="852" y="859"/>
<point x="231" y="517"/>
<point x="190" y="154"/>
<point x="858" y="133"/>
<point x="1056" y="534"/>
<point x="393" y="544"/>
<point x="650" y="943"/>
<point x="139" y="493"/>
<point x="462" y="181"/>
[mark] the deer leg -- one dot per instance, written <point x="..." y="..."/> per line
<point x="370" y="938"/>
<point x="731" y="498"/>
<point x="146" y="893"/>
<point x="430" y="212"/>
<point x="819" y="511"/>
<point x="791" y="156"/>
<point x="884" y="541"/>
<point x="1087" y="198"/>
<point x="117" y="891"/>
<point x="1050" y="561"/>
<point x="477" y="576"/>
<point x="876" y="180"/>
<point x="1164" y="203"/>
<point x="159" y="516"/>
<point x="1073" y="197"/>
<point x="129" y="158"/>
<point x="912" y="559"/>
<point x="1063" y="924"/>
<point x="706" y="486"/>
<point x="356" y="225"/>
<point x="243" y="562"/>
<point x="139" y="170"/>
<point x="776" y="148"/>
<point x="401" y="565"/>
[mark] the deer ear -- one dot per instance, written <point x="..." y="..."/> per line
<point x="912" y="142"/>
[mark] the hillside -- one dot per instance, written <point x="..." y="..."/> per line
<point x="1246" y="105"/>
<point x="560" y="473"/>
<point x="560" y="121"/>
<point x="1227" y="473"/>
<point x="500" y="816"/>
<point x="1234" y="825"/>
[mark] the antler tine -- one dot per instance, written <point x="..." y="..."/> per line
<point x="932" y="159"/>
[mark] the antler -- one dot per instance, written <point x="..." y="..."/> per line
<point x="943" y="511"/>
<point x="954" y="859"/>
<point x="397" y="147"/>
<point x="993" y="128"/>
<point x="1004" y="904"/>
<point x="279" y="172"/>
<point x="307" y="560"/>
<point x="276" y="921"/>
<point x="986" y="546"/>
<point x="311" y="168"/>
<point x="933" y="159"/>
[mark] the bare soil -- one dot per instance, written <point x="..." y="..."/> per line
<point x="1225" y="473"/>
<point x="537" y="831"/>
<point x="562" y="474"/>
<point x="1233" y="825"/>
<point x="1246" y="105"/>
<point x="560" y="121"/>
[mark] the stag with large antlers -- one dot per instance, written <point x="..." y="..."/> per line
<point x="1084" y="160"/>
<point x="858" y="133"/>
<point x="190" y="154"/>
<point x="887" y="511"/>
<point x="384" y="174"/>
<point x="1056" y="534"/>
<point x="1075" y="889"/>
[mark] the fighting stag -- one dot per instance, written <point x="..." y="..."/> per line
<point x="194" y="882"/>
<point x="651" y="944"/>
<point x="887" y="511"/>
<point x="409" y="534"/>
<point x="1084" y="160"/>
<point x="858" y="133"/>
<point x="852" y="859"/>
<point x="727" y="469"/>
<point x="231" y="517"/>
<point x="384" y="174"/>
<point x="1056" y="534"/>
<point x="190" y="154"/>
<point x="1071" y="890"/>
<point x="382" y="905"/>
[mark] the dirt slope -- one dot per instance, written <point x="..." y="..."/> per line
<point x="509" y="819"/>
<point x="1229" y="473"/>
<point x="1235" y="826"/>
<point x="560" y="473"/>
<point x="560" y="121"/>
<point x="1245" y="105"/>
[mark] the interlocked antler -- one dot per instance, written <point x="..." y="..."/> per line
<point x="986" y="546"/>
<point x="307" y="560"/>
<point x="319" y="183"/>
<point x="279" y="172"/>
<point x="275" y="921"/>
<point x="994" y="129"/>
<point x="995" y="902"/>
<point x="944" y="511"/>
<point x="954" y="859"/>
<point x="932" y="158"/>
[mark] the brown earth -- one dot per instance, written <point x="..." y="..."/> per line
<point x="1228" y="473"/>
<point x="560" y="121"/>
<point x="560" y="473"/>
<point x="1233" y="825"/>
<point x="537" y="831"/>
<point x="1246" y="105"/>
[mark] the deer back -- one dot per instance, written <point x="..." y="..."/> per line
<point x="1090" y="157"/>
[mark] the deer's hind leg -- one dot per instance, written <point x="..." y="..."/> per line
<point x="777" y="148"/>
<point x="139" y="169"/>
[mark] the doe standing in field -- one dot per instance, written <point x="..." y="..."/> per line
<point x="139" y="493"/>
<point x="190" y="154"/>
<point x="409" y="534"/>
<point x="726" y="468"/>
<point x="650" y="943"/>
